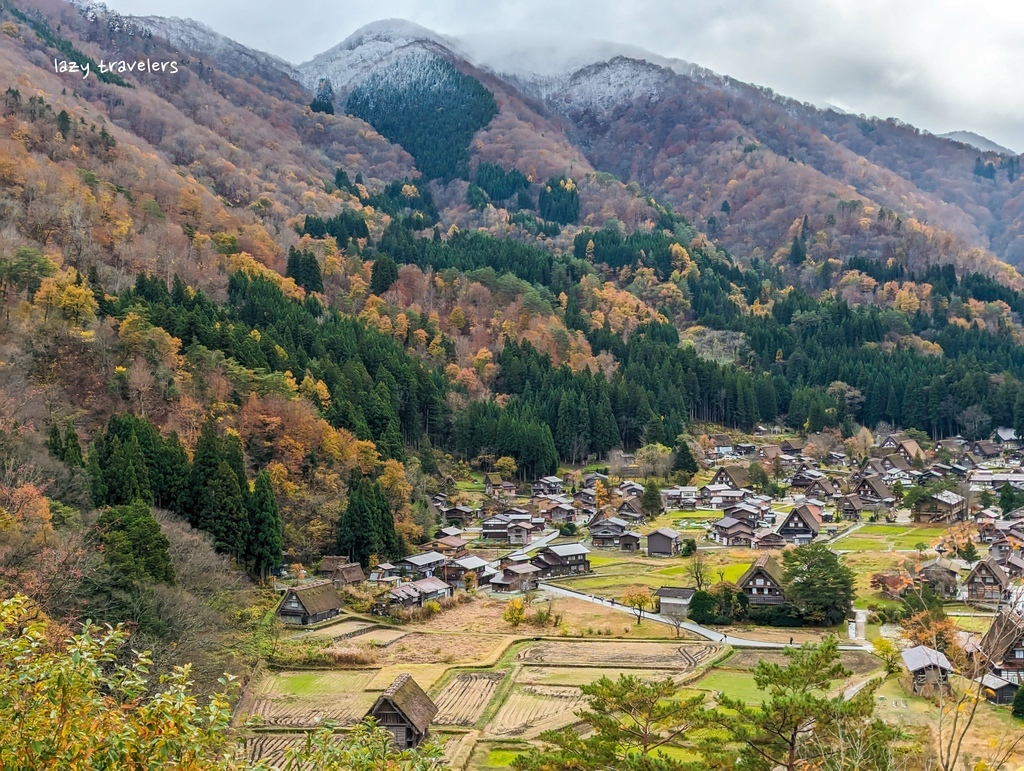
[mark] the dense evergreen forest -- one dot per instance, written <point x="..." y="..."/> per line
<point x="429" y="108"/>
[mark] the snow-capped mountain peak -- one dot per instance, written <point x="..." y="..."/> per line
<point x="370" y="47"/>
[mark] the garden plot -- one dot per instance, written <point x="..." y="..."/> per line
<point x="858" y="662"/>
<point x="618" y="654"/>
<point x="378" y="637"/>
<point x="584" y="675"/>
<point x="464" y="699"/>
<point x="530" y="710"/>
<point x="337" y="630"/>
<point x="303" y="699"/>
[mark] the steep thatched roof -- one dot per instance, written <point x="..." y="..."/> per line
<point x="409" y="699"/>
<point x="318" y="598"/>
<point x="768" y="565"/>
<point x="1000" y="638"/>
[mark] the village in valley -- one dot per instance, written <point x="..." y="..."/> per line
<point x="640" y="565"/>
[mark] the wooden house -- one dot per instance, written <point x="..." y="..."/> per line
<point x="422" y="565"/>
<point x="520" y="532"/>
<point x="793" y="446"/>
<point x="1003" y="646"/>
<point x="414" y="593"/>
<point x="734" y="477"/>
<point x="492" y="484"/>
<point x="630" y="541"/>
<point x="850" y="507"/>
<point x="310" y="603"/>
<point x="800" y="526"/>
<point x="987" y="582"/>
<point x="985" y="449"/>
<point x="674" y="601"/>
<point x="460" y="515"/>
<point x="406" y="711"/>
<point x="341" y="571"/>
<point x="941" y="574"/>
<point x="663" y="542"/>
<point x="769" y="541"/>
<point x="762" y="583"/>
<point x="562" y="559"/>
<point x="996" y="690"/>
<point x="1006" y="437"/>
<point x="454" y="572"/>
<point x="607" y="532"/>
<point x="732" y="532"/>
<point x="631" y="509"/>
<point x="450" y="546"/>
<point x="821" y="488"/>
<point x="520" y="577"/>
<point x="944" y="506"/>
<point x="550" y="485"/>
<point x="929" y="669"/>
<point x="873" y="490"/>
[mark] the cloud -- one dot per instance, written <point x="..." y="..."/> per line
<point x="932" y="63"/>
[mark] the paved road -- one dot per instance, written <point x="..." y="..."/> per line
<point x="702" y="631"/>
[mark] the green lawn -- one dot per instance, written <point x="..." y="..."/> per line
<point x="738" y="685"/>
<point x="501" y="758"/>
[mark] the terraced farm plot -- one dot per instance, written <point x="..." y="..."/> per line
<point x="858" y="662"/>
<point x="302" y="699"/>
<point x="378" y="636"/>
<point x="618" y="654"/>
<point x="464" y="699"/>
<point x="337" y="630"/>
<point x="583" y="675"/>
<point x="531" y="709"/>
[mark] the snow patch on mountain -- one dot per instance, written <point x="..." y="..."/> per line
<point x="605" y="86"/>
<point x="232" y="56"/>
<point x="375" y="47"/>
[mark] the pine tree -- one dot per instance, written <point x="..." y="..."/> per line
<point x="207" y="458"/>
<point x="797" y="251"/>
<point x="72" y="447"/>
<point x="383" y="274"/>
<point x="684" y="460"/>
<point x="264" y="549"/>
<point x="174" y="487"/>
<point x="650" y="501"/>
<point x="125" y="475"/>
<point x="232" y="453"/>
<point x="97" y="483"/>
<point x="223" y="513"/>
<point x="324" y="99"/>
<point x="358" y="534"/>
<point x="55" y="442"/>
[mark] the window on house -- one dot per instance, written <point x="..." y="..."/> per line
<point x="1018" y="654"/>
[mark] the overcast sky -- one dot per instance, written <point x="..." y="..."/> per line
<point x="938" y="64"/>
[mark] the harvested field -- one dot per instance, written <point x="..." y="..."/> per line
<point x="418" y="648"/>
<point x="464" y="699"/>
<point x="618" y="654"/>
<point x="337" y="630"/>
<point x="302" y="699"/>
<point x="583" y="675"/>
<point x="532" y="709"/>
<point x="858" y="662"/>
<point x="378" y="636"/>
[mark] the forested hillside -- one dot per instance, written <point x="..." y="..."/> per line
<point x="236" y="330"/>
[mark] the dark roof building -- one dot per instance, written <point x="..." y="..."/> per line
<point x="405" y="710"/>
<point x="310" y="604"/>
<point x="762" y="583"/>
